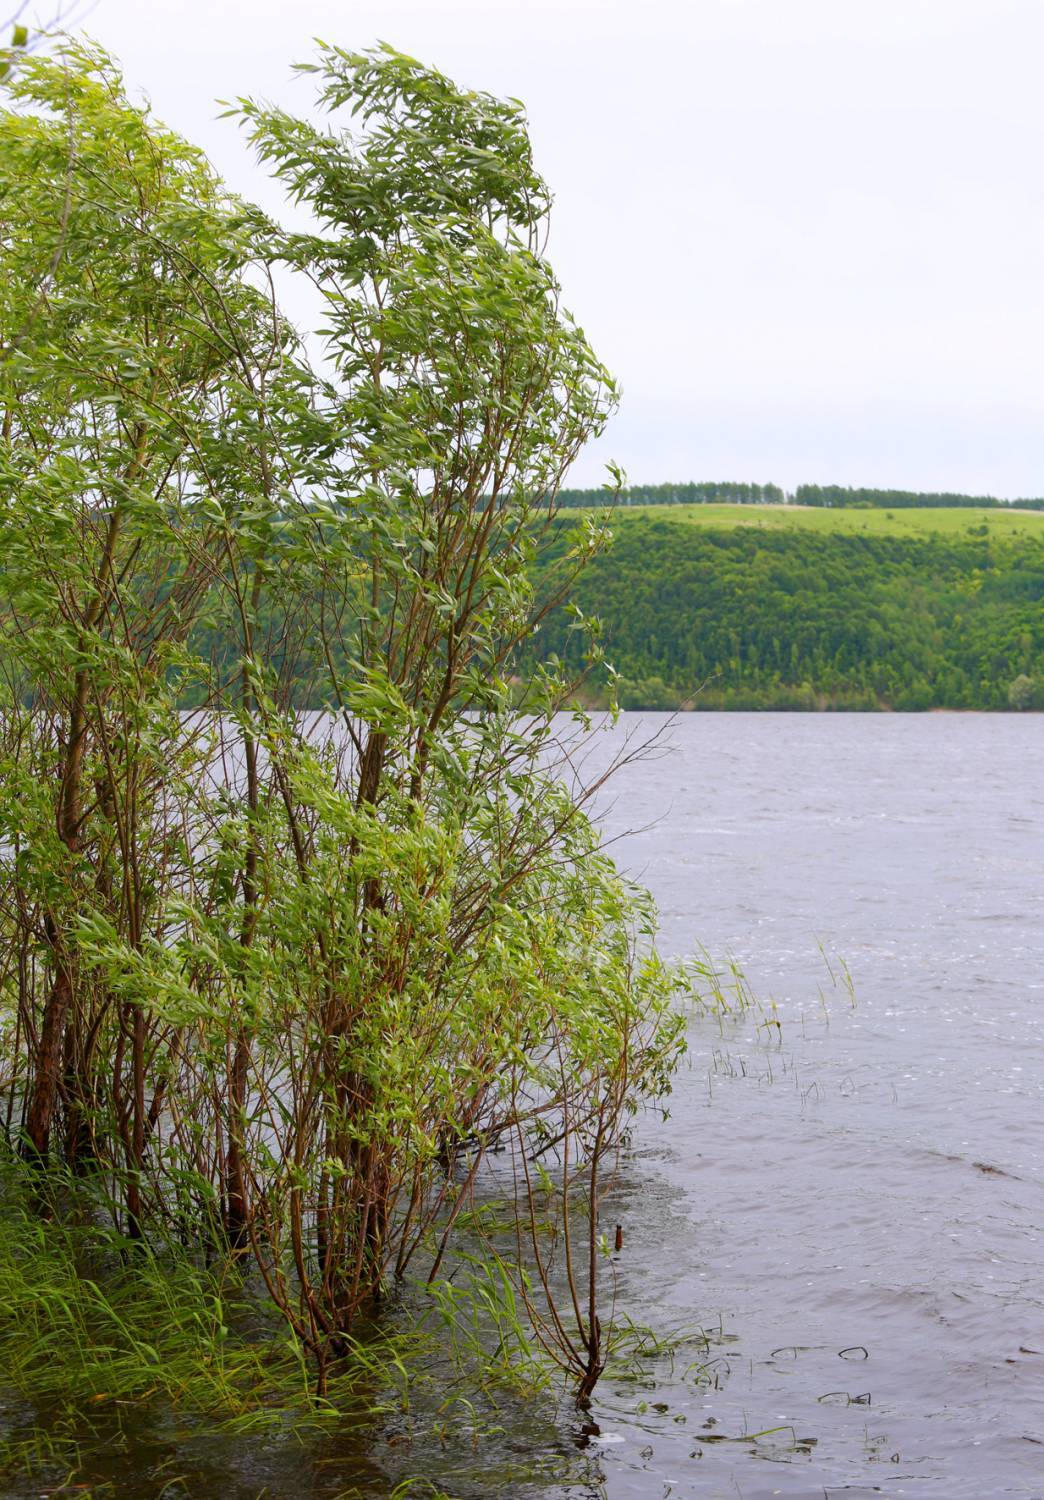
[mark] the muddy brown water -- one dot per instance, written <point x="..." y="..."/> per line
<point x="852" y="1213"/>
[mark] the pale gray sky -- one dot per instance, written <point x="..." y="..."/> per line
<point x="807" y="235"/>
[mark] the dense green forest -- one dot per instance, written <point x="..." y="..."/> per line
<point x="798" y="615"/>
<point x="748" y="618"/>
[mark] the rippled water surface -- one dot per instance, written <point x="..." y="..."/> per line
<point x="853" y="1212"/>
<point x="875" y="1185"/>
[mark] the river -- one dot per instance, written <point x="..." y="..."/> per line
<point x="851" y="1205"/>
<point x="875" y="1185"/>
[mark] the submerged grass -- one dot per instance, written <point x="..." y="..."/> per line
<point x="97" y="1331"/>
<point x="115" y="1356"/>
<point x="100" y="1335"/>
<point x="83" y="1322"/>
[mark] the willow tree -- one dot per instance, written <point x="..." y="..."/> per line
<point x="130" y="344"/>
<point x="301" y="973"/>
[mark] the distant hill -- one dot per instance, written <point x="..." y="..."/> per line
<point x="822" y="608"/>
<point x="999" y="521"/>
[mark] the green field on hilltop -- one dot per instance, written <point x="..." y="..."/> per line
<point x="853" y="521"/>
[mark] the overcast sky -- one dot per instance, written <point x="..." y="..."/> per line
<point x="807" y="235"/>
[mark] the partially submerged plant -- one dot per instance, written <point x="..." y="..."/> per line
<point x="280" y="981"/>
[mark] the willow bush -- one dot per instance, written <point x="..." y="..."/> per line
<point x="301" y="914"/>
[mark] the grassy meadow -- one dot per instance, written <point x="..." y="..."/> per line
<point x="838" y="521"/>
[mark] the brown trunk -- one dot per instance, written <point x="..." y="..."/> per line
<point x="238" y="1204"/>
<point x="44" y="1095"/>
<point x="237" y="1211"/>
<point x="76" y="1091"/>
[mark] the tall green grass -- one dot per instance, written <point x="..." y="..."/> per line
<point x="85" y="1319"/>
<point x="98" y="1334"/>
<point x="105" y="1343"/>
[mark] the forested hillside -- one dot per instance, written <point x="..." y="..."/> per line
<point x="752" y="617"/>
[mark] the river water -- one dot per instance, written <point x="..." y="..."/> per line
<point x="850" y="1207"/>
<point x="861" y="1209"/>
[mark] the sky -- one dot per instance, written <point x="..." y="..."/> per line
<point x="806" y="235"/>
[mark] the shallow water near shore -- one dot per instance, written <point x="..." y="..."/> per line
<point x="861" y="1207"/>
<point x="849" y="1206"/>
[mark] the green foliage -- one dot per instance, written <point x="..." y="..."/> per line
<point x="755" y="617"/>
<point x="277" y="984"/>
<point x="16" y="46"/>
<point x="1022" y="693"/>
<point x="88" y="1319"/>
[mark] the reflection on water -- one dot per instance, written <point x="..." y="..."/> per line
<point x="852" y="1211"/>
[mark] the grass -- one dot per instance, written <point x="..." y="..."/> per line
<point x="86" y="1320"/>
<point x="116" y="1362"/>
<point x="956" y="523"/>
<point x="104" y="1344"/>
